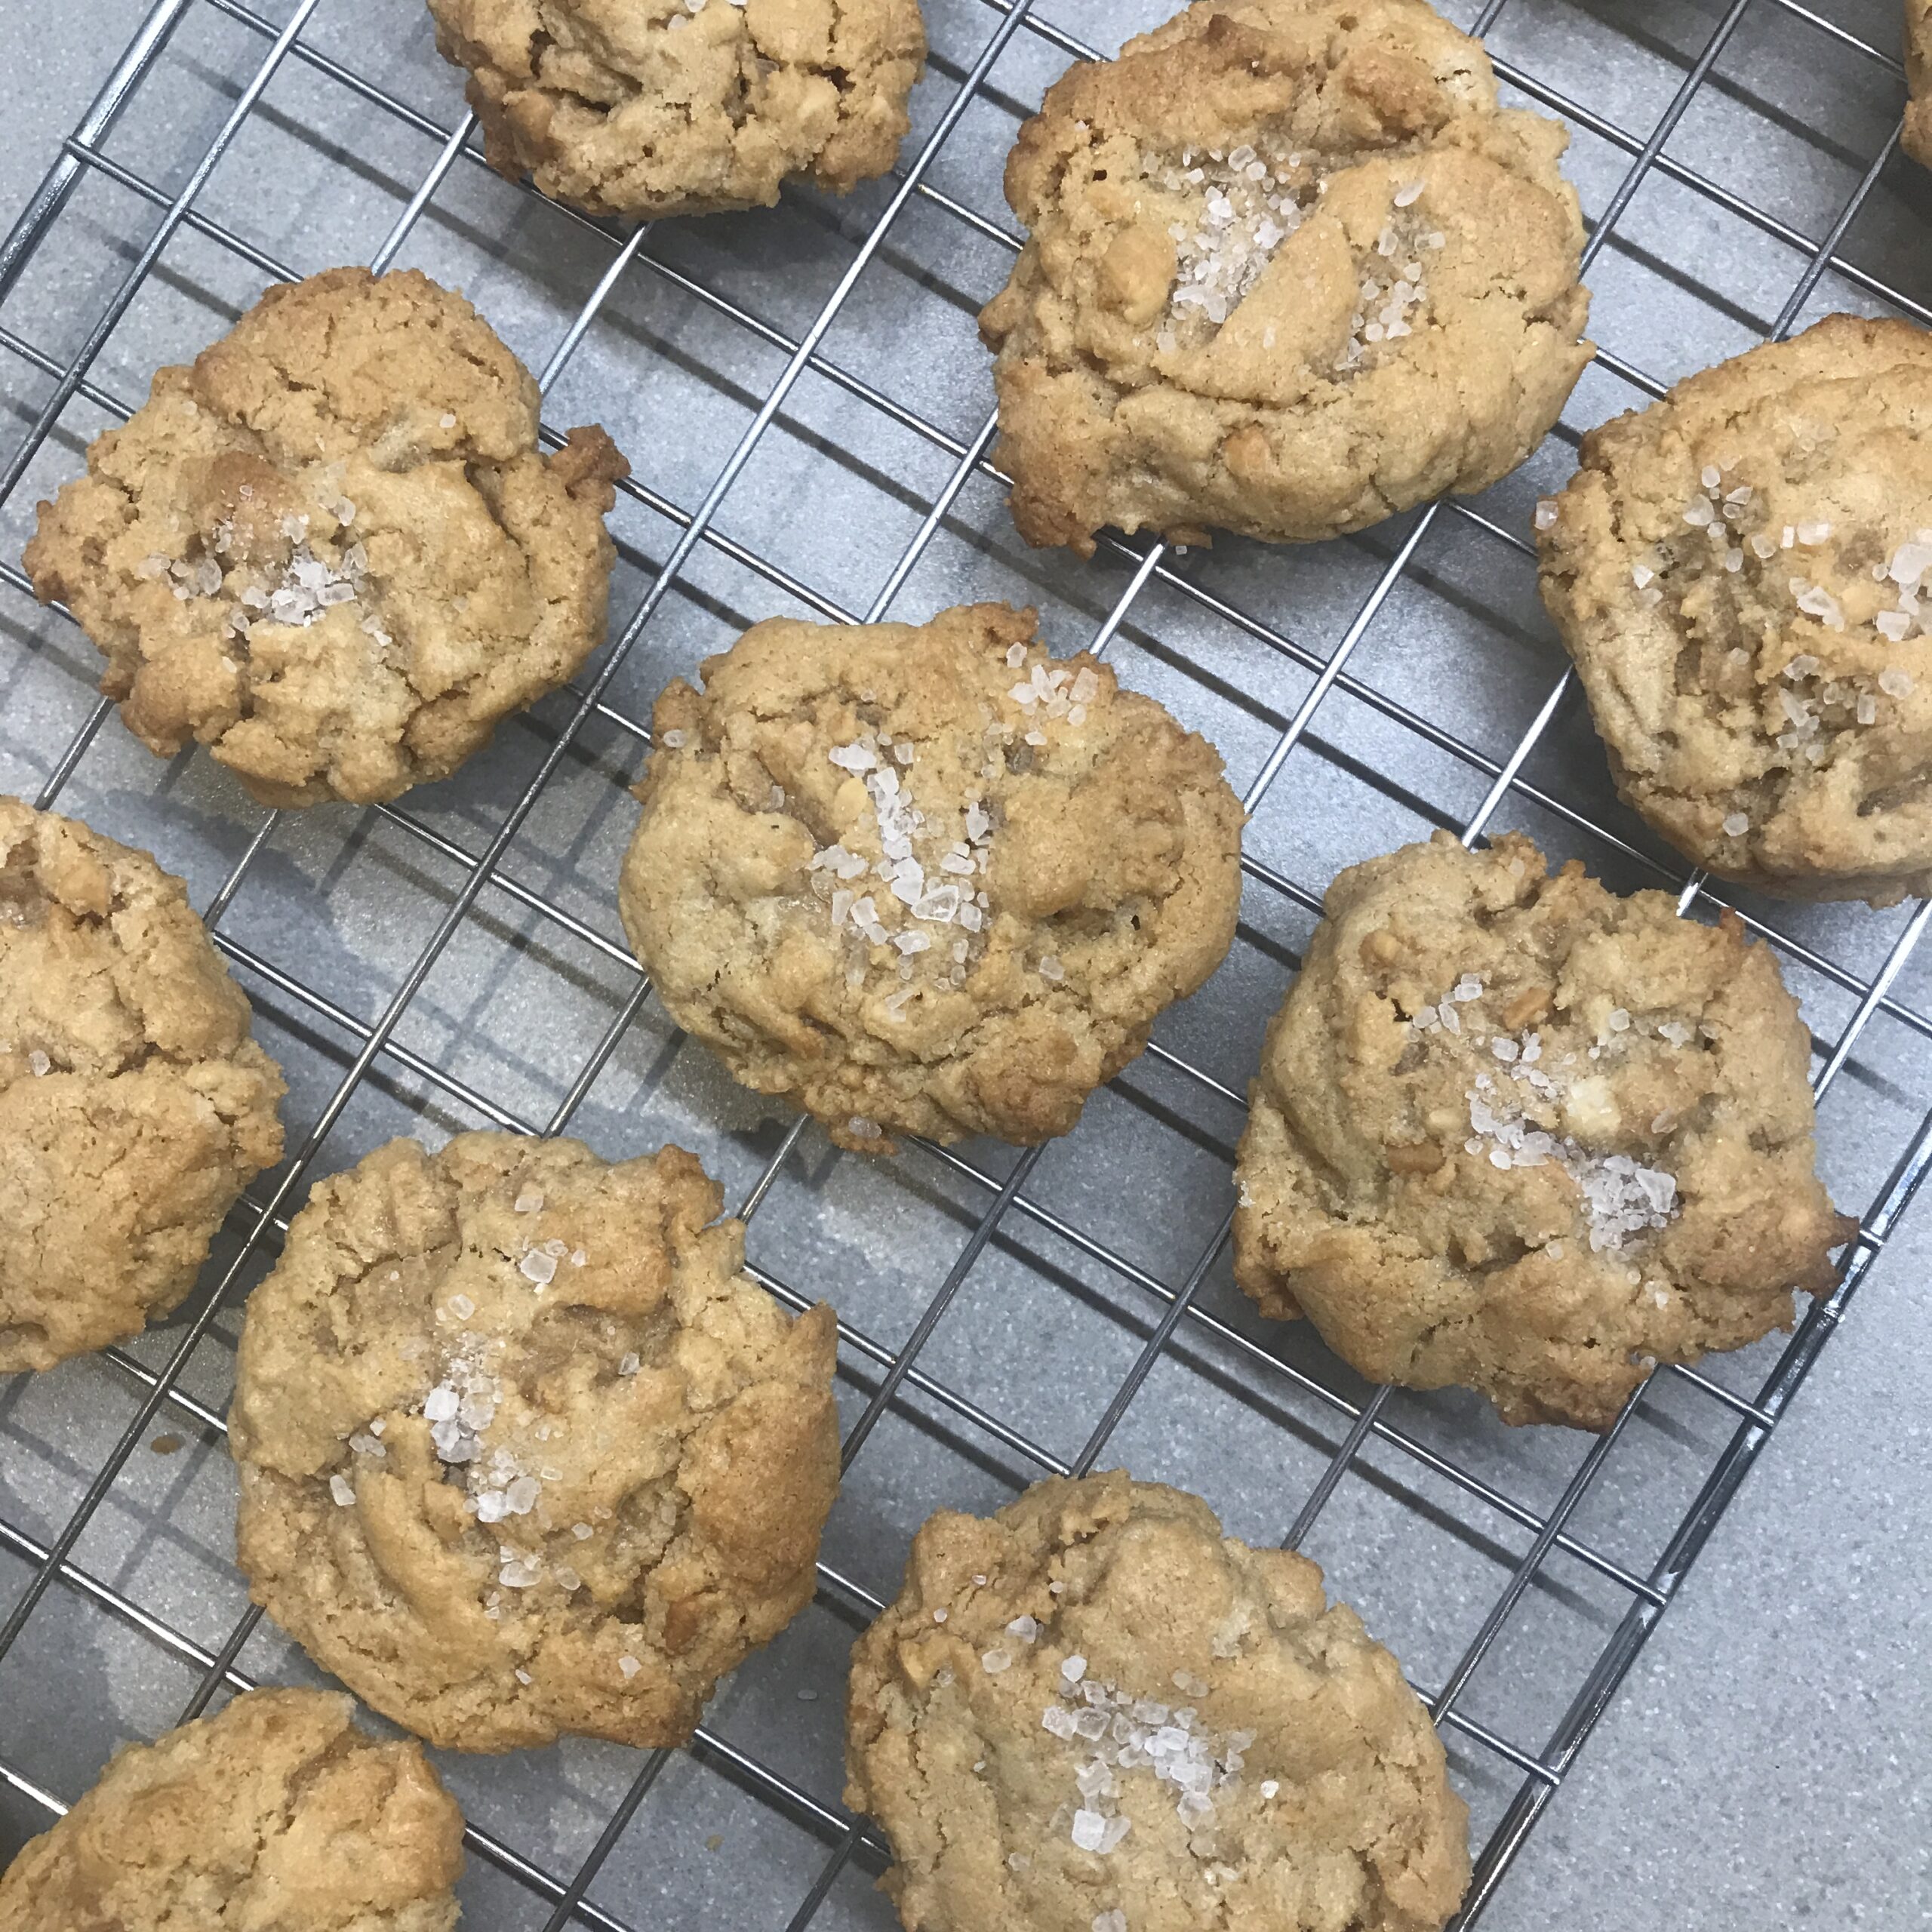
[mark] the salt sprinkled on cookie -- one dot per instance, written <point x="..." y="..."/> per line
<point x="474" y="1467"/>
<point x="1622" y="1104"/>
<point x="1072" y="1785"/>
<point x="991" y="870"/>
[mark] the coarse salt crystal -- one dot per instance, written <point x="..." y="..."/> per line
<point x="343" y="1490"/>
<point x="1026" y="1628"/>
<point x="1736" y="825"/>
<point x="994" y="1661"/>
<point x="1894" y="682"/>
<point x="628" y="1666"/>
<point x="627" y="1364"/>
<point x="538" y="1267"/>
<point x="39" y="1063"/>
<point x="1546" y="512"/>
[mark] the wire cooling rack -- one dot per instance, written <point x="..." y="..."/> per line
<point x="809" y="417"/>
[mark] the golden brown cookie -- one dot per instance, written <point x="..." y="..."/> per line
<point x="1514" y="1132"/>
<point x="276" y="1815"/>
<point x="666" y="107"/>
<point x="1093" y="1712"/>
<point x="925" y="878"/>
<point x="1917" y="139"/>
<point x="1291" y="272"/>
<point x="522" y="1449"/>
<point x="329" y="550"/>
<point x="133" y="1106"/>
<point x="1738" y="572"/>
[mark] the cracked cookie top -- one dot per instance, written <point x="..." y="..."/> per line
<point x="133" y="1106"/>
<point x="1094" y="1712"/>
<point x="522" y="1449"/>
<point x="276" y="1812"/>
<point x="1740" y="572"/>
<point x="1515" y="1132"/>
<point x="926" y="878"/>
<point x="329" y="550"/>
<point x="1289" y="271"/>
<point x="668" y="107"/>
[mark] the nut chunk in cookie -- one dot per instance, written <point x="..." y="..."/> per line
<point x="1290" y="271"/>
<point x="668" y="107"/>
<point x="1513" y="1132"/>
<point x="1740" y="572"/>
<point x="277" y="1813"/>
<point x="329" y="550"/>
<point x="925" y="878"/>
<point x="1094" y="1710"/>
<point x="133" y="1106"/>
<point x="523" y="1450"/>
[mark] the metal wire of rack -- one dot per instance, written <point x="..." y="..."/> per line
<point x="1542" y="1565"/>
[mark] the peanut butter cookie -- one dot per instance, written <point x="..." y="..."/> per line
<point x="1739" y="572"/>
<point x="522" y="1449"/>
<point x="1515" y="1132"/>
<point x="133" y="1106"/>
<point x="1290" y="271"/>
<point x="665" y="107"/>
<point x="277" y="1813"/>
<point x="329" y="550"/>
<point x="925" y="878"/>
<point x="1094" y="1712"/>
